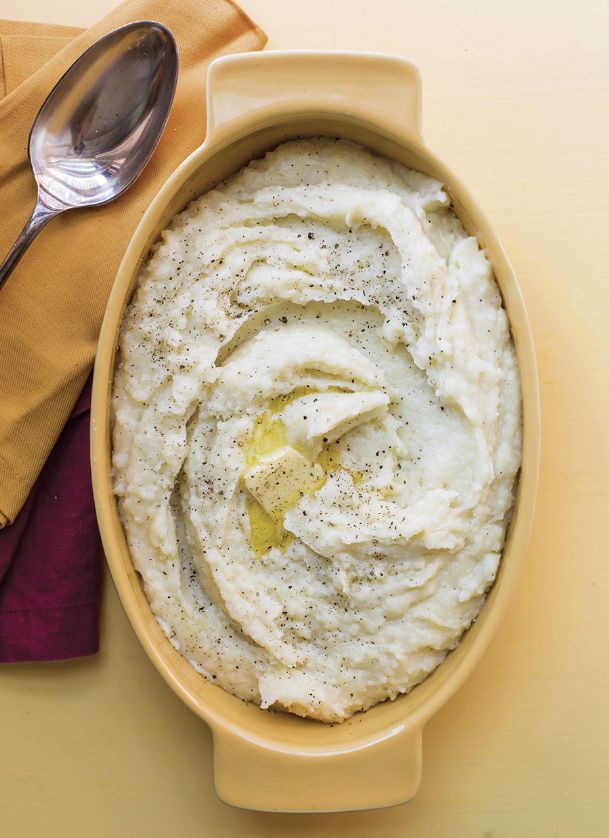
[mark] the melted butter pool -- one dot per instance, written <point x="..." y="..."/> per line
<point x="269" y="434"/>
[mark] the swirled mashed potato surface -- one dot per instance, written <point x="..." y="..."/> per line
<point x="316" y="429"/>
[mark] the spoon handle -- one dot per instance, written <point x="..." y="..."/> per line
<point x="39" y="217"/>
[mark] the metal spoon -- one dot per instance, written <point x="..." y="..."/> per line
<point x="99" y="125"/>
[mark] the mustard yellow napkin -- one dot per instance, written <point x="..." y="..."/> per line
<point x="52" y="306"/>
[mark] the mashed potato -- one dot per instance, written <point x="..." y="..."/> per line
<point x="316" y="429"/>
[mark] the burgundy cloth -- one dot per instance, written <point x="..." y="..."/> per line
<point x="51" y="559"/>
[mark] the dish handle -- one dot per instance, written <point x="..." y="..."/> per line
<point x="382" y="88"/>
<point x="251" y="775"/>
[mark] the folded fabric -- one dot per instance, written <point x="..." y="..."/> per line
<point x="50" y="558"/>
<point x="50" y="313"/>
<point x="52" y="306"/>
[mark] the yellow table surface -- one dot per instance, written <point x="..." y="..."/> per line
<point x="515" y="97"/>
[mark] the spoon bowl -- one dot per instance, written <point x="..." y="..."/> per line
<point x="99" y="125"/>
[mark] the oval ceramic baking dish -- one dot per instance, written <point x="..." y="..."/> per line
<point x="275" y="761"/>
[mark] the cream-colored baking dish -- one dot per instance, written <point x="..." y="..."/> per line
<point x="275" y="761"/>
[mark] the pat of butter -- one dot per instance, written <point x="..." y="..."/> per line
<point x="280" y="478"/>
